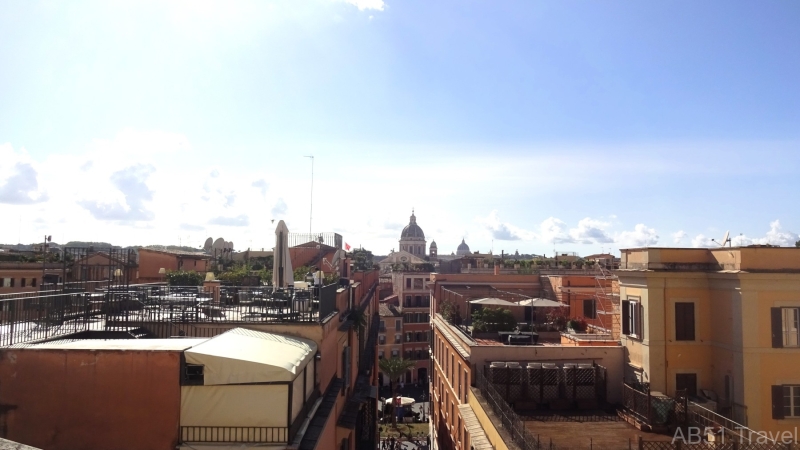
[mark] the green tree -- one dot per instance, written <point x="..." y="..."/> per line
<point x="301" y="272"/>
<point x="490" y="320"/>
<point x="184" y="278"/>
<point x="362" y="259"/>
<point x="234" y="274"/>
<point x="394" y="368"/>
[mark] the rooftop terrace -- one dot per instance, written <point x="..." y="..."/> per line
<point x="37" y="316"/>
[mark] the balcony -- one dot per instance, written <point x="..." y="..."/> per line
<point x="260" y="435"/>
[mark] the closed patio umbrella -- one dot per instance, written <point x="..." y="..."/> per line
<point x="282" y="273"/>
<point x="541" y="303"/>
<point x="493" y="302"/>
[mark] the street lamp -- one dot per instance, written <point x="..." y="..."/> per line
<point x="44" y="256"/>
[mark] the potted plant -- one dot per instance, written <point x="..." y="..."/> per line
<point x="577" y="325"/>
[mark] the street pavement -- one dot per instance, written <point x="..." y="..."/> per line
<point x="418" y="393"/>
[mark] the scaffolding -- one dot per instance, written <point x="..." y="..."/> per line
<point x="607" y="302"/>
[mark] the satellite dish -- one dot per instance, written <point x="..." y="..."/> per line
<point x="218" y="245"/>
<point x="725" y="240"/>
<point x="208" y="244"/>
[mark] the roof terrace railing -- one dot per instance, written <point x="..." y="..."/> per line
<point x="30" y="317"/>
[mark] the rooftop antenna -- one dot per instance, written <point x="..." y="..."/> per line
<point x="725" y="240"/>
<point x="311" y="208"/>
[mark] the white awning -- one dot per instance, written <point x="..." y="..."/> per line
<point x="246" y="356"/>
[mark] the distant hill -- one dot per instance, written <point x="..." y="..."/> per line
<point x="90" y="244"/>
<point x="182" y="248"/>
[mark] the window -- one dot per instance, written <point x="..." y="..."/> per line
<point x="408" y="337"/>
<point x="395" y="353"/>
<point x="408" y="301"/>
<point x="398" y="338"/>
<point x="466" y="385"/>
<point x="382" y="325"/>
<point x="687" y="381"/>
<point x="381" y="340"/>
<point x="408" y="283"/>
<point x="633" y="319"/>
<point x="785" y="327"/>
<point x="33" y="282"/>
<point x="684" y="321"/>
<point x="785" y="401"/>
<point x="380" y="354"/>
<point x="22" y="282"/>
<point x="193" y="374"/>
<point x="589" y="309"/>
<point x="417" y="283"/>
<point x="459" y="380"/>
<point x="398" y="325"/>
<point x="12" y="282"/>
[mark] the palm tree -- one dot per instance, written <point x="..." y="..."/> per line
<point x="394" y="368"/>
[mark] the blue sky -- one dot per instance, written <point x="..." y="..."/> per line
<point x="530" y="126"/>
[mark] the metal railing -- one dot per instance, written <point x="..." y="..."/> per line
<point x="235" y="434"/>
<point x="704" y="417"/>
<point x="509" y="420"/>
<point x="33" y="318"/>
<point x="637" y="402"/>
<point x="28" y="317"/>
<point x="730" y="444"/>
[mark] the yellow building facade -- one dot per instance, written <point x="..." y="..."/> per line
<point x="724" y="320"/>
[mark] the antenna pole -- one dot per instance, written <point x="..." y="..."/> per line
<point x="311" y="208"/>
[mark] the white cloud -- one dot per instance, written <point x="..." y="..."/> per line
<point x="377" y="5"/>
<point x="239" y="221"/>
<point x="261" y="185"/>
<point x="131" y="183"/>
<point x="553" y="230"/>
<point x="702" y="240"/>
<point x="678" y="236"/>
<point x="504" y="231"/>
<point x="641" y="236"/>
<point x="588" y="231"/>
<point x="19" y="179"/>
<point x="775" y="236"/>
<point x="280" y="208"/>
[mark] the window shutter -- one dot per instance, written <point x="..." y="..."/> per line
<point x="680" y="325"/>
<point x="777" y="328"/>
<point x="684" y="321"/>
<point x="777" y="400"/>
<point x="347" y="365"/>
<point x="626" y="316"/>
<point x="640" y="321"/>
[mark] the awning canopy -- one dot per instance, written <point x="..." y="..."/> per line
<point x="242" y="356"/>
<point x="492" y="301"/>
<point x="541" y="303"/>
<point x="404" y="401"/>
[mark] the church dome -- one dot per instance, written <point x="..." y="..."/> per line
<point x="463" y="248"/>
<point x="412" y="230"/>
<point x="433" y="244"/>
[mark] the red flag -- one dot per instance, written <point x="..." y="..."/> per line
<point x="346" y="246"/>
